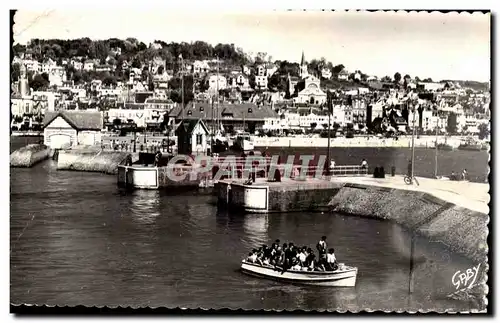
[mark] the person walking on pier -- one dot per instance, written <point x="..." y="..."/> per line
<point x="464" y="174"/>
<point x="332" y="166"/>
<point x="364" y="164"/>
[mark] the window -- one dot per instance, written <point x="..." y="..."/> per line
<point x="199" y="139"/>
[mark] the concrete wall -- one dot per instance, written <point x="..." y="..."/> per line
<point x="91" y="160"/>
<point x="29" y="155"/>
<point x="424" y="141"/>
<point x="137" y="176"/>
<point x="462" y="230"/>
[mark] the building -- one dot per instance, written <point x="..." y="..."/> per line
<point x="425" y="119"/>
<point x="430" y="86"/>
<point x="88" y="65"/>
<point x="77" y="65"/>
<point x="103" y="68"/>
<point x="260" y="82"/>
<point x="359" y="112"/>
<point x="261" y="70"/>
<point x="239" y="80"/>
<point x="326" y="73"/>
<point x="200" y="67"/>
<point x="32" y="65"/>
<point x="216" y="82"/>
<point x="57" y="76"/>
<point x="231" y="117"/>
<point x="246" y="70"/>
<point x="70" y="128"/>
<point x="374" y="111"/>
<point x="47" y="65"/>
<point x="343" y="75"/>
<point x="271" y="68"/>
<point x="308" y="91"/>
<point x="192" y="137"/>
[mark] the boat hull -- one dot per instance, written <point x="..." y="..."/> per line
<point x="338" y="278"/>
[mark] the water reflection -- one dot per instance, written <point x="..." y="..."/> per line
<point x="256" y="227"/>
<point x="145" y="206"/>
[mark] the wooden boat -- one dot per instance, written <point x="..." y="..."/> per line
<point x="344" y="276"/>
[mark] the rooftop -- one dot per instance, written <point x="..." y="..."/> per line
<point x="80" y="120"/>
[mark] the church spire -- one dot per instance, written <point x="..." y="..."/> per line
<point x="303" y="60"/>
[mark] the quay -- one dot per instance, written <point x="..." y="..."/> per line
<point x="203" y="172"/>
<point x="264" y="196"/>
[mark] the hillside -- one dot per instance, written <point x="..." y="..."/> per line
<point x="475" y="85"/>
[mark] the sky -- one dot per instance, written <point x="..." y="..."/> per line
<point x="440" y="46"/>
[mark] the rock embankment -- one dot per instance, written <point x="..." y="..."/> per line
<point x="29" y="155"/>
<point x="92" y="160"/>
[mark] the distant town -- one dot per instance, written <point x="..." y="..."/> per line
<point x="152" y="88"/>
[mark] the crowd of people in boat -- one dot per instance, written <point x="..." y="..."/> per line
<point x="288" y="256"/>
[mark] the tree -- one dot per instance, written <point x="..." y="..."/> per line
<point x="16" y="72"/>
<point x="278" y="81"/>
<point x="39" y="82"/>
<point x="77" y="77"/>
<point x="386" y="79"/>
<point x="451" y="128"/>
<point x="397" y="77"/>
<point x="427" y="80"/>
<point x="313" y="125"/>
<point x="483" y="131"/>
<point x="109" y="80"/>
<point x="136" y="63"/>
<point x="176" y="85"/>
<point x="338" y="68"/>
<point x="315" y="66"/>
<point x="417" y="79"/>
<point x="251" y="80"/>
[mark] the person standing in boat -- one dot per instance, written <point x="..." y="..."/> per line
<point x="331" y="261"/>
<point x="321" y="246"/>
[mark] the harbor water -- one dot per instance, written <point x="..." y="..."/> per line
<point x="76" y="239"/>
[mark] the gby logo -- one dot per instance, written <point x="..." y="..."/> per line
<point x="465" y="279"/>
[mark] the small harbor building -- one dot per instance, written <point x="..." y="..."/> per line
<point x="192" y="137"/>
<point x="63" y="129"/>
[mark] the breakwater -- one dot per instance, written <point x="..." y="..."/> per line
<point x="29" y="155"/>
<point x="358" y="141"/>
<point x="455" y="213"/>
<point x="93" y="160"/>
<point x="460" y="228"/>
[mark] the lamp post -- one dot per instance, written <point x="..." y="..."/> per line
<point x="135" y="137"/>
<point x="436" y="148"/>
<point x="329" y="106"/>
<point x="413" y="141"/>
<point x="182" y="85"/>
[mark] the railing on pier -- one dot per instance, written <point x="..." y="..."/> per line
<point x="246" y="167"/>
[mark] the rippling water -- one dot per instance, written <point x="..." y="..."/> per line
<point x="78" y="239"/>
